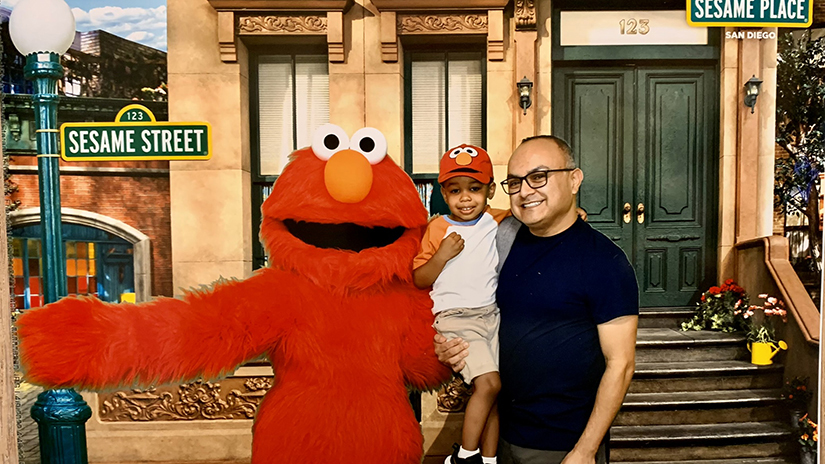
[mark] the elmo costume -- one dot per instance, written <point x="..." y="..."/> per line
<point x="335" y="311"/>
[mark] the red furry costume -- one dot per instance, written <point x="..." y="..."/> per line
<point x="345" y="330"/>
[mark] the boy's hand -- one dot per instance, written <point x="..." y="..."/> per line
<point x="450" y="247"/>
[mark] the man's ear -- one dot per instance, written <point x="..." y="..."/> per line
<point x="577" y="177"/>
<point x="492" y="191"/>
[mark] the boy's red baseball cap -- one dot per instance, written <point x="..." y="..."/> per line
<point x="466" y="160"/>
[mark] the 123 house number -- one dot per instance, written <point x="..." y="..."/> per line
<point x="634" y="26"/>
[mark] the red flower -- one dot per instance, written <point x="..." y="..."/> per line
<point x="714" y="290"/>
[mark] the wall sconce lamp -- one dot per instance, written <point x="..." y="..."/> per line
<point x="525" y="89"/>
<point x="752" y="91"/>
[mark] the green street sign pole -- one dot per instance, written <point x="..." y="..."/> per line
<point x="60" y="414"/>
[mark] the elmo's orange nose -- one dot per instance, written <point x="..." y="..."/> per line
<point x="348" y="176"/>
<point x="463" y="159"/>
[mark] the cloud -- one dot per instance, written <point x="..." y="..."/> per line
<point x="142" y="25"/>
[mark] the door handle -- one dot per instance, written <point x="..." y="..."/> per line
<point x="640" y="213"/>
<point x="626" y="211"/>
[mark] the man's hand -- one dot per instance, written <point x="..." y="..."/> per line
<point x="576" y="457"/>
<point x="582" y="214"/>
<point x="450" y="247"/>
<point x="451" y="352"/>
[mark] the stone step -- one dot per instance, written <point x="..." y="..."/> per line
<point x="674" y="408"/>
<point x="658" y="345"/>
<point x="655" y="377"/>
<point x="700" y="441"/>
<point x="774" y="460"/>
<point x="666" y="317"/>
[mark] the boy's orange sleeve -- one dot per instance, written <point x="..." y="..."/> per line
<point x="499" y="214"/>
<point x="433" y="236"/>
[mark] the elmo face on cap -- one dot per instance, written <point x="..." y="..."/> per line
<point x="466" y="160"/>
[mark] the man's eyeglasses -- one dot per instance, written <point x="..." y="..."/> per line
<point x="536" y="179"/>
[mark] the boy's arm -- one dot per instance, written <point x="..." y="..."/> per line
<point x="425" y="274"/>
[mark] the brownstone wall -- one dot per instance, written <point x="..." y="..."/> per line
<point x="819" y="13"/>
<point x="140" y="201"/>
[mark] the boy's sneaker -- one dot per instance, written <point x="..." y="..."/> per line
<point x="454" y="459"/>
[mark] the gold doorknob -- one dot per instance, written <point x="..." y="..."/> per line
<point x="626" y="211"/>
<point x="640" y="213"/>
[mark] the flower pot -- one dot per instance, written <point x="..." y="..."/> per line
<point x="807" y="456"/>
<point x="796" y="415"/>
<point x="762" y="353"/>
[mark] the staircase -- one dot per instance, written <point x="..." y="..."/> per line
<point x="696" y="399"/>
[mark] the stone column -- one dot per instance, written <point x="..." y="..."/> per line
<point x="525" y="39"/>
<point x="210" y="200"/>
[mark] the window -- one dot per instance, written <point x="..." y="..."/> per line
<point x="446" y="105"/>
<point x="293" y="99"/>
<point x="290" y="99"/>
<point x="97" y="264"/>
<point x="71" y="87"/>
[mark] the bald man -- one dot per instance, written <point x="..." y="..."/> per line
<point x="569" y="312"/>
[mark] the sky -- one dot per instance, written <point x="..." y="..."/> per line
<point x="142" y="21"/>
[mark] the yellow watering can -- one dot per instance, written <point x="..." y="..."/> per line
<point x="762" y="353"/>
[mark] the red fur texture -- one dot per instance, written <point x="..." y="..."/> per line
<point x="346" y="332"/>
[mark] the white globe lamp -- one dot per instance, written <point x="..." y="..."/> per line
<point x="42" y="26"/>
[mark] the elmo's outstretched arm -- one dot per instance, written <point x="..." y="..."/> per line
<point x="83" y="342"/>
<point x="421" y="367"/>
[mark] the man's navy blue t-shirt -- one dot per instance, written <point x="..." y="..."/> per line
<point x="552" y="292"/>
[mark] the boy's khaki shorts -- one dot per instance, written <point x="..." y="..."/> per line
<point x="479" y="328"/>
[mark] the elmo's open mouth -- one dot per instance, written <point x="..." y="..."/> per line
<point x="350" y="237"/>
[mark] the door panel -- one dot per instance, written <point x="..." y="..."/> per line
<point x="644" y="137"/>
<point x="674" y="168"/>
<point x="595" y="121"/>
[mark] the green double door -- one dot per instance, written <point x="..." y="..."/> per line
<point x="646" y="138"/>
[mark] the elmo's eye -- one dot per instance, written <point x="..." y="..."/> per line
<point x="371" y="143"/>
<point x="328" y="140"/>
<point x="471" y="151"/>
<point x="455" y="152"/>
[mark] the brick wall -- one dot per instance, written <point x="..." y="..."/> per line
<point x="819" y="13"/>
<point x="139" y="201"/>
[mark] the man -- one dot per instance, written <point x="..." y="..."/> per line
<point x="569" y="313"/>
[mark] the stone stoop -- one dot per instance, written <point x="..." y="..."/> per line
<point x="696" y="399"/>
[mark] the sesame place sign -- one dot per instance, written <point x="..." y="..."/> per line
<point x="750" y="13"/>
<point x="135" y="136"/>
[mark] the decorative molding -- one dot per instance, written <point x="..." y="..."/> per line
<point x="430" y="5"/>
<point x="282" y="5"/>
<point x="389" y="37"/>
<point x="442" y="23"/>
<point x="282" y="24"/>
<point x="495" y="35"/>
<point x="227" y="37"/>
<point x="672" y="238"/>
<point x="238" y="398"/>
<point x="335" y="36"/>
<point x="454" y="396"/>
<point x="525" y="15"/>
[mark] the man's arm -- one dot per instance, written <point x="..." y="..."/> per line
<point x="618" y="341"/>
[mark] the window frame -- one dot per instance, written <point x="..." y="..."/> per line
<point x="413" y="53"/>
<point x="262" y="184"/>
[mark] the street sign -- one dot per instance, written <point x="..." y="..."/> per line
<point x="135" y="136"/>
<point x="750" y="13"/>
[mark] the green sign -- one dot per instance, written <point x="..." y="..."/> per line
<point x="750" y="13"/>
<point x="135" y="136"/>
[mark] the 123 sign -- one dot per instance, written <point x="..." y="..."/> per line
<point x="136" y="136"/>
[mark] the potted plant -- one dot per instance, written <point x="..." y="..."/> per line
<point x="808" y="438"/>
<point x="716" y="309"/>
<point x="796" y="396"/>
<point x="759" y="321"/>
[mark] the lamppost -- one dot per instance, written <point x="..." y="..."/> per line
<point x="42" y="31"/>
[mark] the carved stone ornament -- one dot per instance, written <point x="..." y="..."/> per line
<point x="238" y="399"/>
<point x="525" y="15"/>
<point x="282" y="24"/>
<point x="442" y="23"/>
<point x="453" y="397"/>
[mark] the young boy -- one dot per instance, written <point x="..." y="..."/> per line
<point x="458" y="258"/>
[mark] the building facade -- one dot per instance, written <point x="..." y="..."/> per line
<point x="677" y="169"/>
